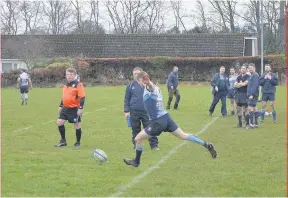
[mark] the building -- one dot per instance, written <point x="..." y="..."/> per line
<point x="16" y="47"/>
<point x="10" y="64"/>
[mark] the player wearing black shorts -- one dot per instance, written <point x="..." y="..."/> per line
<point x="71" y="107"/>
<point x="253" y="94"/>
<point x="160" y="121"/>
<point x="241" y="96"/>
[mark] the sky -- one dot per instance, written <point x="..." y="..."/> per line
<point x="188" y="10"/>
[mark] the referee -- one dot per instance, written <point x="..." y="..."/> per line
<point x="71" y="107"/>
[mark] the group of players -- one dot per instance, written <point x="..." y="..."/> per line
<point x="243" y="91"/>
<point x="143" y="103"/>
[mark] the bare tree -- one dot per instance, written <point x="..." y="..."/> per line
<point x="200" y="17"/>
<point x="272" y="15"/>
<point x="226" y="12"/>
<point x="9" y="15"/>
<point x="58" y="14"/>
<point x="78" y="14"/>
<point x="177" y="9"/>
<point x="94" y="15"/>
<point x="126" y="16"/>
<point x="30" y="12"/>
<point x="154" y="17"/>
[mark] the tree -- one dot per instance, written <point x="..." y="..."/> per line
<point x="30" y="13"/>
<point x="58" y="14"/>
<point x="226" y="12"/>
<point x="9" y="15"/>
<point x="177" y="9"/>
<point x="154" y="17"/>
<point x="27" y="49"/>
<point x="126" y="16"/>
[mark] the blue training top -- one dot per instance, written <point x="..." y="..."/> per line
<point x="153" y="103"/>
<point x="232" y="80"/>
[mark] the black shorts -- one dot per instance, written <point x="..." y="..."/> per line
<point x="70" y="114"/>
<point x="24" y="89"/>
<point x="268" y="96"/>
<point x="241" y="99"/>
<point x="159" y="125"/>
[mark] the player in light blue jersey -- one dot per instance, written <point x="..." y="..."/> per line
<point x="231" y="92"/>
<point x="160" y="121"/>
<point x="24" y="81"/>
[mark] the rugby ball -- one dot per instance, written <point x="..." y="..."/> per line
<point x="100" y="155"/>
<point x="267" y="113"/>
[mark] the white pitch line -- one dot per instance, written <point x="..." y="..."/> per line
<point x="101" y="109"/>
<point x="86" y="113"/>
<point x="26" y="128"/>
<point x="23" y="129"/>
<point x="48" y="122"/>
<point x="137" y="179"/>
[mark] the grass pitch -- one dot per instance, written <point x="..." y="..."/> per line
<point x="249" y="163"/>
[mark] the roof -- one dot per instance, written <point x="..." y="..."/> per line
<point x="129" y="45"/>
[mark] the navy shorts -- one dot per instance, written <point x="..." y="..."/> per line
<point x="159" y="125"/>
<point x="268" y="96"/>
<point x="70" y="114"/>
<point x="24" y="89"/>
<point x="231" y="94"/>
<point x="241" y="99"/>
<point x="252" y="102"/>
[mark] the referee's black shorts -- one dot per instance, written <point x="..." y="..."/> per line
<point x="70" y="114"/>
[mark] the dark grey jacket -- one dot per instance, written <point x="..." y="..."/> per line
<point x="268" y="86"/>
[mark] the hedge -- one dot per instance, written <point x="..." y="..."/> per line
<point x="118" y="70"/>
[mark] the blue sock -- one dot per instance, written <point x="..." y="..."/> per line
<point x="262" y="114"/>
<point x="274" y="115"/>
<point x="195" y="139"/>
<point x="139" y="149"/>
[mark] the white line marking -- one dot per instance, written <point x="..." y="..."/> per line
<point x="48" y="122"/>
<point x="23" y="129"/>
<point x="161" y="161"/>
<point x="26" y="128"/>
<point x="101" y="109"/>
<point x="86" y="113"/>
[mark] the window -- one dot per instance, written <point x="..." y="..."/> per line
<point x="250" y="46"/>
<point x="6" y="67"/>
<point x="15" y="66"/>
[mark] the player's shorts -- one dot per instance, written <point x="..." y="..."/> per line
<point x="241" y="99"/>
<point x="231" y="94"/>
<point x="159" y="125"/>
<point x="70" y="114"/>
<point x="252" y="102"/>
<point x="24" y="89"/>
<point x="268" y="96"/>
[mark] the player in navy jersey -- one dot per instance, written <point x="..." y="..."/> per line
<point x="241" y="84"/>
<point x="160" y="121"/>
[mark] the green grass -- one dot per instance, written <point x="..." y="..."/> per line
<point x="250" y="163"/>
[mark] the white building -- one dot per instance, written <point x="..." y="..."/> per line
<point x="9" y="64"/>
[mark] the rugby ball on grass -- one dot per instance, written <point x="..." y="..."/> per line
<point x="100" y="155"/>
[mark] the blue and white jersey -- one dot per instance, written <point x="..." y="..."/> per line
<point x="232" y="80"/>
<point x="153" y="103"/>
<point x="24" y="79"/>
